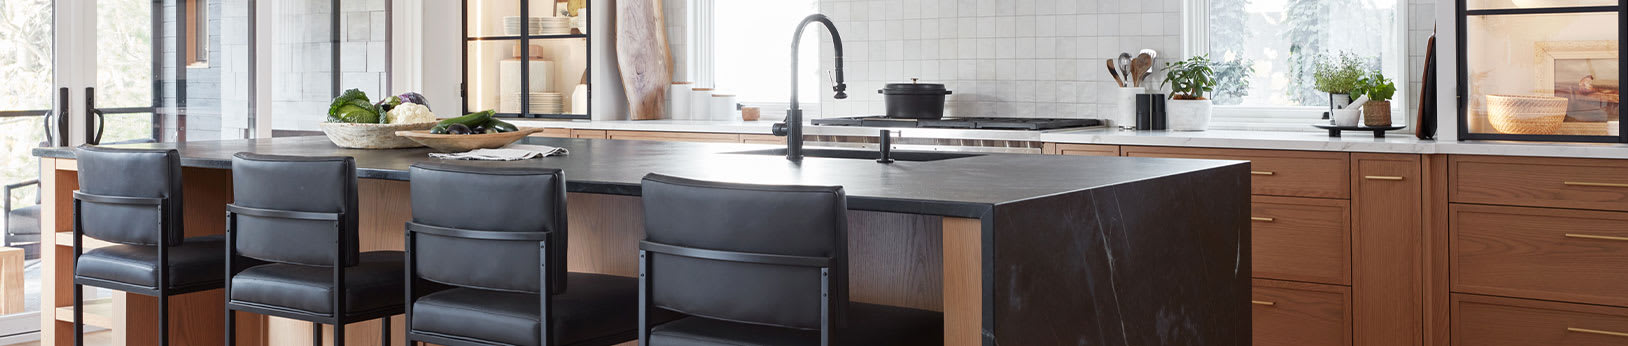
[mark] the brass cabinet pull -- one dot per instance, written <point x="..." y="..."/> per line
<point x="1588" y="184"/>
<point x="1594" y="331"/>
<point x="1262" y="302"/>
<point x="1382" y="177"/>
<point x="1262" y="173"/>
<point x="1261" y="219"/>
<point x="1596" y="237"/>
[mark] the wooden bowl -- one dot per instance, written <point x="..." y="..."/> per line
<point x="372" y="136"/>
<point x="449" y="143"/>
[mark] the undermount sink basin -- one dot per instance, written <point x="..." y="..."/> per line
<point x="918" y="156"/>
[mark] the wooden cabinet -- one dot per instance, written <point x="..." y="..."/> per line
<point x="1301" y="239"/>
<point x="1080" y="149"/>
<point x="589" y="134"/>
<point x="763" y="139"/>
<point x="1553" y="254"/>
<point x="1493" y="321"/>
<point x="1541" y="182"/>
<point x="1286" y="313"/>
<point x="1275" y="172"/>
<point x="1387" y="248"/>
<point x="675" y="136"/>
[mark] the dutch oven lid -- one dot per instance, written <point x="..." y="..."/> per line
<point x="914" y="88"/>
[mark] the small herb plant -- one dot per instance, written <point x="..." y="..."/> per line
<point x="1189" y="79"/>
<point x="1376" y="86"/>
<point x="1339" y="75"/>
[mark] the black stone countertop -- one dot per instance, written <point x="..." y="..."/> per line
<point x="962" y="187"/>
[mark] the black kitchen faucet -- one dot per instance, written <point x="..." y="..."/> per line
<point x="792" y="127"/>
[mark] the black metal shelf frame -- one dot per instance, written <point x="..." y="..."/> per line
<point x="1461" y="19"/>
<point x="525" y="68"/>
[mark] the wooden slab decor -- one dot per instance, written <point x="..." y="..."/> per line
<point x="642" y="57"/>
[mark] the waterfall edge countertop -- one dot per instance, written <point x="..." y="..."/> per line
<point x="1033" y="249"/>
<point x="962" y="187"/>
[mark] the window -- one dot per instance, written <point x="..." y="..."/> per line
<point x="1282" y="40"/>
<point x="753" y="39"/>
<point x="197" y="12"/>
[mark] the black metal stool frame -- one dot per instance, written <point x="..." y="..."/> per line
<point x="160" y="289"/>
<point x="645" y="286"/>
<point x="545" y="301"/>
<point x="338" y="317"/>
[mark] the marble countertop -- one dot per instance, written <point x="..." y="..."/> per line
<point x="1400" y="143"/>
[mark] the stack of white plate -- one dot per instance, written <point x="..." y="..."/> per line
<point x="513" y="27"/>
<point x="541" y="103"/>
<point x="553" y="25"/>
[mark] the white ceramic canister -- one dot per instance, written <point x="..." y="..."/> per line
<point x="723" y="107"/>
<point x="700" y="104"/>
<point x="579" y="99"/>
<point x="1124" y="115"/>
<point x="678" y="101"/>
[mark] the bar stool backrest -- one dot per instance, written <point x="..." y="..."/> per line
<point x="747" y="253"/>
<point x="489" y="201"/>
<point x="296" y="184"/>
<point x="137" y="173"/>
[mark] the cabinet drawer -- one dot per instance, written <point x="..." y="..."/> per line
<point x="1300" y="314"/>
<point x="1493" y="321"/>
<point x="1275" y="172"/>
<point x="763" y="139"/>
<point x="554" y="132"/>
<point x="1301" y="239"/>
<point x="1555" y="254"/>
<point x="1541" y="182"/>
<point x="1081" y="149"/>
<point x="675" y="136"/>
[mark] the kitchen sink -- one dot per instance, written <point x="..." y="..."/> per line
<point x="919" y="156"/>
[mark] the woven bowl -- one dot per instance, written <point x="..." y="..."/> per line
<point x="372" y="136"/>
<point x="1526" y="115"/>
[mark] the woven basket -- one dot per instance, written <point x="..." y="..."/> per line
<point x="372" y="136"/>
<point x="1519" y="114"/>
<point x="1376" y="113"/>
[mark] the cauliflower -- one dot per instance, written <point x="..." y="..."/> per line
<point x="410" y="113"/>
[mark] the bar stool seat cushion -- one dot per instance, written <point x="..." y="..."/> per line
<point x="374" y="283"/>
<point x="24" y="221"/>
<point x="198" y="261"/>
<point x="594" y="307"/>
<point x="868" y="324"/>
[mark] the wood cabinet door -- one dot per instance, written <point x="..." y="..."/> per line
<point x="1286" y="313"/>
<point x="1300" y="239"/>
<point x="1494" y="321"/>
<point x="1080" y="149"/>
<point x="1274" y="172"/>
<point x="1387" y="249"/>
<point x="1540" y="253"/>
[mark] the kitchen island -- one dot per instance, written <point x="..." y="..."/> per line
<point x="1014" y="249"/>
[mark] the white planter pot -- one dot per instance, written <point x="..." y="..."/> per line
<point x="1187" y="115"/>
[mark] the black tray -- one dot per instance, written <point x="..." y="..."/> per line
<point x="1379" y="131"/>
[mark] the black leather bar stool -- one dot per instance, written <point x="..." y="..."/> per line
<point x="132" y="197"/>
<point x="300" y="215"/>
<point x="758" y="265"/>
<point x="496" y="237"/>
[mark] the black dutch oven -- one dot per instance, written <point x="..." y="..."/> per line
<point x="914" y="100"/>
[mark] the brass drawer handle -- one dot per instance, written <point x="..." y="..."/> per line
<point x="1596" y="237"/>
<point x="1579" y="183"/>
<point x="1382" y="177"/>
<point x="1600" y="332"/>
<point x="1261" y="219"/>
<point x="1262" y="173"/>
<point x="1262" y="302"/>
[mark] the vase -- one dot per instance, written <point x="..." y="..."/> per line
<point x="1188" y="115"/>
<point x="1376" y="113"/>
<point x="1338" y="101"/>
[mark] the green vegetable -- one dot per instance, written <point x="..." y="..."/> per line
<point x="471" y="120"/>
<point x="384" y="106"/>
<point x="499" y="126"/>
<point x="352" y="106"/>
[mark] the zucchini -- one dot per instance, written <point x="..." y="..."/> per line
<point x="471" y="120"/>
<point x="499" y="126"/>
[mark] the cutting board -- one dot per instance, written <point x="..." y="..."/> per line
<point x="643" y="57"/>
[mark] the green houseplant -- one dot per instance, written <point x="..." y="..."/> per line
<point x="1339" y="76"/>
<point x="1377" y="112"/>
<point x="1188" y="109"/>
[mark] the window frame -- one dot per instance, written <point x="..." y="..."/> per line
<point x="699" y="36"/>
<point x="1195" y="41"/>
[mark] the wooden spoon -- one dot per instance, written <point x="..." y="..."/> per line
<point x="1140" y="67"/>
<point x="1115" y="72"/>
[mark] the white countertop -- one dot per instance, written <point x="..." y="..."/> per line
<point x="1402" y="143"/>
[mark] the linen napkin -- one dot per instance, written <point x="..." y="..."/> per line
<point x="509" y="153"/>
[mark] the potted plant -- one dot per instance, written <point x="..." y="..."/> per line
<point x="1339" y="77"/>
<point x="1377" y="112"/>
<point x="1189" y="80"/>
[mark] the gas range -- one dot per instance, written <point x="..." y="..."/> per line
<point x="985" y="123"/>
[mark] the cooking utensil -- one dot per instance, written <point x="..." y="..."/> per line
<point x="1124" y="61"/>
<point x="914" y="100"/>
<point x="1115" y="73"/>
<point x="1141" y="67"/>
<point x="1150" y="52"/>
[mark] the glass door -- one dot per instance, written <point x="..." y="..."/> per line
<point x="27" y="121"/>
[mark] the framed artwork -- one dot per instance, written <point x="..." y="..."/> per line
<point x="1585" y="72"/>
